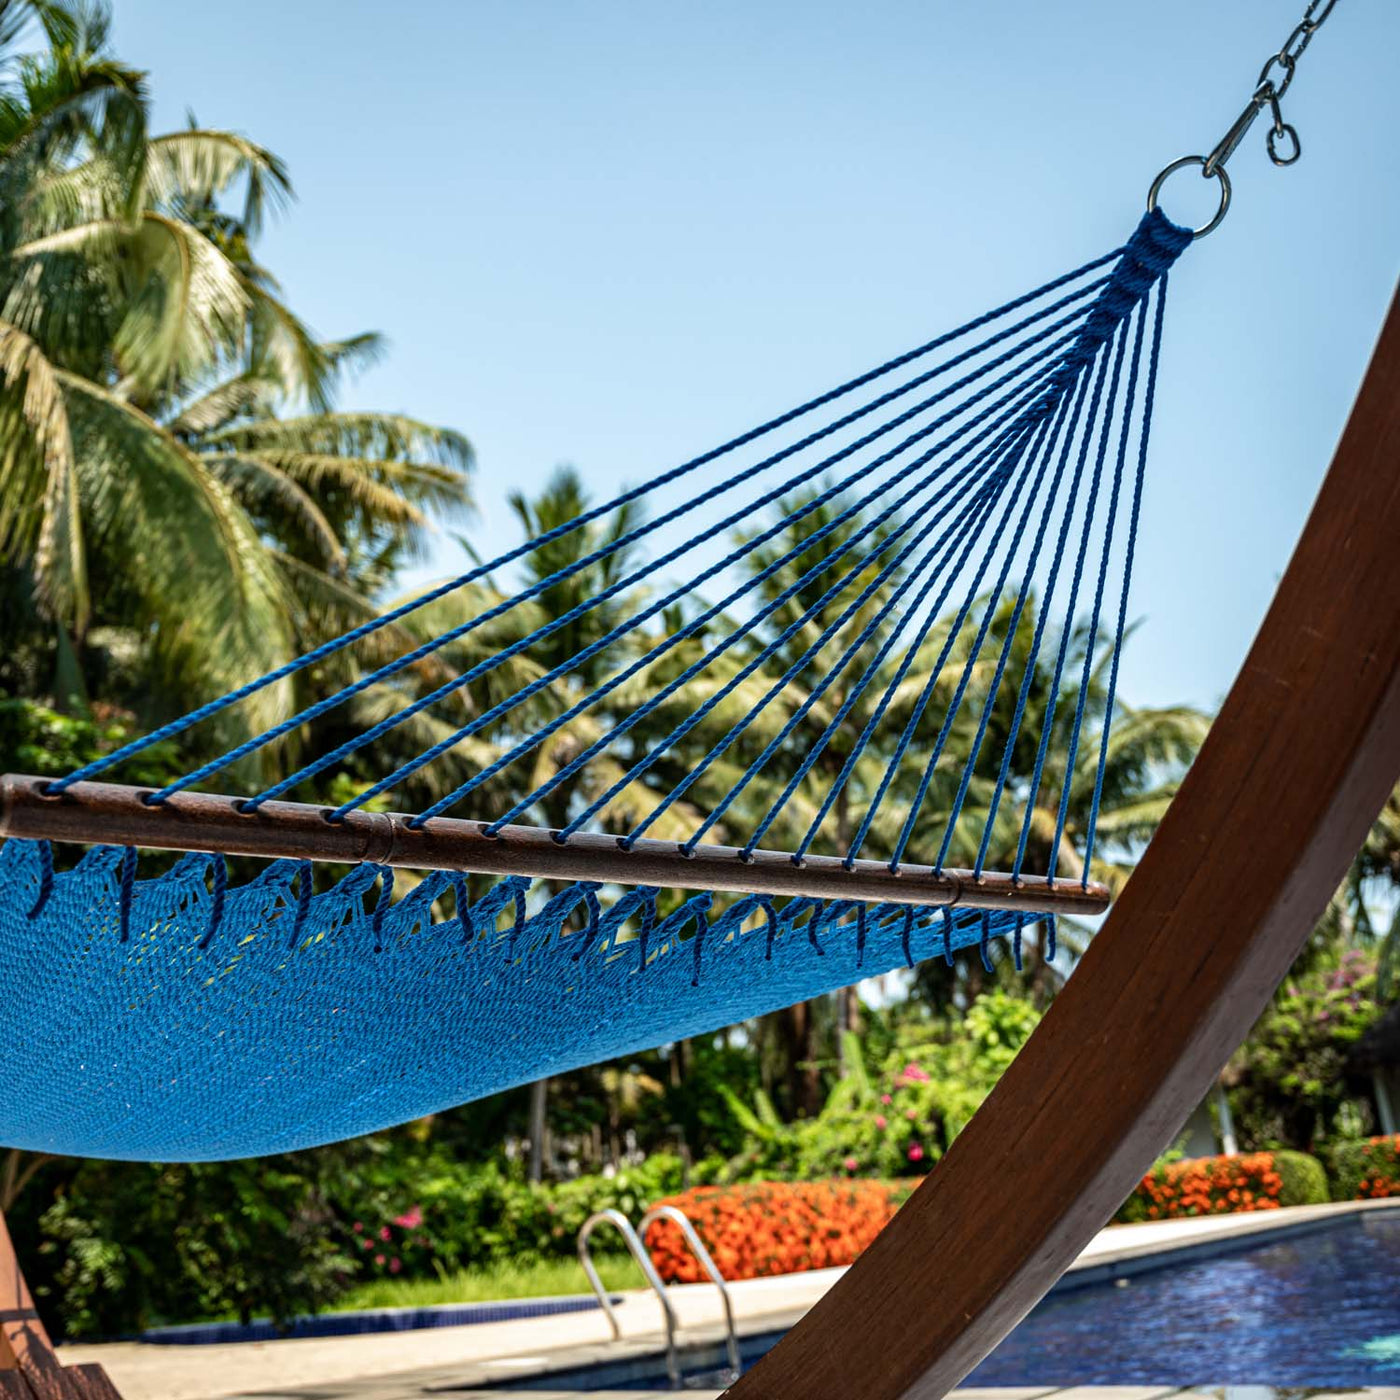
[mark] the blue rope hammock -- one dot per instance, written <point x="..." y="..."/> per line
<point x="180" y="1016"/>
<point x="960" y="513"/>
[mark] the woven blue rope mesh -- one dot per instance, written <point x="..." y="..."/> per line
<point x="156" y="1047"/>
<point x="182" y="1016"/>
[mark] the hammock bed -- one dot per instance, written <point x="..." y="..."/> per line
<point x="183" y="1016"/>
<point x="1005" y="458"/>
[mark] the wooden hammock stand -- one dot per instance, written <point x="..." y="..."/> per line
<point x="1306" y="749"/>
<point x="29" y="1368"/>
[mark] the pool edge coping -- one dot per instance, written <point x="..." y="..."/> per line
<point x="1246" y="1228"/>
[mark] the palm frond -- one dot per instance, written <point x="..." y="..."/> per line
<point x="198" y="165"/>
<point x="242" y="393"/>
<point x="258" y="484"/>
<point x="379" y="436"/>
<point x="37" y="465"/>
<point x="186" y="306"/>
<point x="213" y="597"/>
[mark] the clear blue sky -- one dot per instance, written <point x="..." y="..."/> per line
<point x="615" y="233"/>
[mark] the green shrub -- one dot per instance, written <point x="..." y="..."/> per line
<point x="123" y="1246"/>
<point x="1304" y="1179"/>
<point x="1293" y="1087"/>
<point x="1367" y="1169"/>
<point x="126" y="1245"/>
<point x="899" y="1120"/>
<point x="36" y="739"/>
<point x="1178" y="1187"/>
<point x="420" y="1218"/>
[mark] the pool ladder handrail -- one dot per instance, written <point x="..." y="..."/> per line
<point x="643" y="1261"/>
<point x="633" y="1239"/>
<point x="697" y="1247"/>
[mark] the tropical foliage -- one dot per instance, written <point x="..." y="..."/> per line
<point x="1368" y="1169"/>
<point x="897" y="1118"/>
<point x="179" y="497"/>
<point x="123" y="1246"/>
<point x="1290" y="1083"/>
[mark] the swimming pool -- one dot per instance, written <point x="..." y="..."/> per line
<point x="1320" y="1308"/>
<point x="1314" y="1308"/>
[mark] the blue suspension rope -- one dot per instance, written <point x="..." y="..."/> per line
<point x="982" y="485"/>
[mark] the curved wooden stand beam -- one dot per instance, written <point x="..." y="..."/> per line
<point x="29" y="1367"/>
<point x="1301" y="759"/>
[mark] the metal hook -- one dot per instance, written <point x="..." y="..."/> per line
<point x="1267" y="93"/>
<point x="1280" y="130"/>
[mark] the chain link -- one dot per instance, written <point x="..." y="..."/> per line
<point x="1282" y="142"/>
<point x="1293" y="47"/>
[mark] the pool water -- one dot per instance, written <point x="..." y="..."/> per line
<point x="1315" y="1308"/>
<point x="1321" y="1308"/>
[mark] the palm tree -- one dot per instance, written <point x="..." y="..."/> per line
<point x="563" y="499"/>
<point x="822" y="576"/>
<point x="174" y="476"/>
<point x="670" y="635"/>
<point x="907" y="692"/>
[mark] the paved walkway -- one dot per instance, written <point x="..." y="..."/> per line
<point x="396" y="1365"/>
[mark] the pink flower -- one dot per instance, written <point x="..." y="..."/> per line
<point x="384" y="1233"/>
<point x="916" y="1153"/>
<point x="411" y="1219"/>
<point x="359" y="1229"/>
<point x="366" y="1244"/>
<point x="915" y="1073"/>
<point x="851" y="1164"/>
<point x="379" y="1259"/>
<point x="885" y="1099"/>
<point x="395" y="1265"/>
<point x="912" y="1114"/>
<point x="881" y="1121"/>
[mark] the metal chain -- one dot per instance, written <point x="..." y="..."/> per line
<point x="1282" y="141"/>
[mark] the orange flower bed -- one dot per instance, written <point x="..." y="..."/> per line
<point x="775" y="1227"/>
<point x="1212" y="1186"/>
<point x="1380" y="1169"/>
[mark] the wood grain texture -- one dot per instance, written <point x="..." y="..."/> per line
<point x="91" y="1382"/>
<point x="29" y="1367"/>
<point x="24" y="1342"/>
<point x="201" y="821"/>
<point x="1302" y="757"/>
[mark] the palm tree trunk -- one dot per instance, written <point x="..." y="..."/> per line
<point x="539" y="1103"/>
<point x="803" y="1072"/>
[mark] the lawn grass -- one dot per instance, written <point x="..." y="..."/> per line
<point x="503" y="1281"/>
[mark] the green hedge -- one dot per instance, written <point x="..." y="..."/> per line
<point x="125" y="1245"/>
<point x="1366" y="1169"/>
<point x="1179" y="1187"/>
<point x="480" y="1216"/>
<point x="1304" y="1179"/>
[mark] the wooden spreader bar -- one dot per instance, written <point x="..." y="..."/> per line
<point x="109" y="813"/>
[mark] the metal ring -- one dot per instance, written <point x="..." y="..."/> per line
<point x="1218" y="173"/>
<point x="1290" y="134"/>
